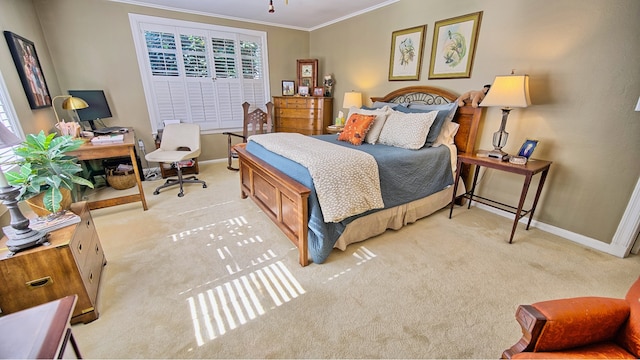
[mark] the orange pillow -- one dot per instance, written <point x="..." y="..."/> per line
<point x="356" y="128"/>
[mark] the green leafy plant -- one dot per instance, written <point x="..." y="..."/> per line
<point x="44" y="167"/>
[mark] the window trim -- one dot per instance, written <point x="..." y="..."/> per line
<point x="14" y="122"/>
<point x="136" y="22"/>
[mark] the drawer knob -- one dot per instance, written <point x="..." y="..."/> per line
<point x="38" y="283"/>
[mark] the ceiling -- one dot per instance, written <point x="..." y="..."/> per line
<point x="297" y="14"/>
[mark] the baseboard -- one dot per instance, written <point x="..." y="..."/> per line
<point x="571" y="236"/>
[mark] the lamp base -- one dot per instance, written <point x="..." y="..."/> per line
<point x="498" y="154"/>
<point x="18" y="240"/>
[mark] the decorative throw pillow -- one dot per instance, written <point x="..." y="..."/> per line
<point x="407" y="131"/>
<point x="355" y="129"/>
<point x="446" y="112"/>
<point x="374" y="131"/>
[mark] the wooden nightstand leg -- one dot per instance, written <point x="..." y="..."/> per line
<point x="455" y="185"/>
<point x="543" y="177"/>
<point x="523" y="196"/>
<point x="473" y="185"/>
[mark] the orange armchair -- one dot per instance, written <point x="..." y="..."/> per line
<point x="582" y="328"/>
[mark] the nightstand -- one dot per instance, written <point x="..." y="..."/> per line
<point x="532" y="167"/>
<point x="333" y="129"/>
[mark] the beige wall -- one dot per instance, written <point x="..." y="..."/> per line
<point x="102" y="56"/>
<point x="581" y="56"/>
<point x="585" y="81"/>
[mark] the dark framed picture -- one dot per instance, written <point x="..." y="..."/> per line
<point x="303" y="90"/>
<point x="454" y="46"/>
<point x="288" y="88"/>
<point x="318" y="91"/>
<point x="27" y="63"/>
<point x="406" y="53"/>
<point x="308" y="72"/>
<point x="527" y="148"/>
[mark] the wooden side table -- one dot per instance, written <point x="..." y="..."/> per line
<point x="40" y="332"/>
<point x="532" y="167"/>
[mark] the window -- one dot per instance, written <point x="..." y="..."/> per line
<point x="9" y="119"/>
<point x="199" y="73"/>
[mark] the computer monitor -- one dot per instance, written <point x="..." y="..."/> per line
<point x="98" y="106"/>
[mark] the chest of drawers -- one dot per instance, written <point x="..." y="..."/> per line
<point x="305" y="115"/>
<point x="71" y="264"/>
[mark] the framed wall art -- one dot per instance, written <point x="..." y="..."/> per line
<point x="406" y="53"/>
<point x="288" y="88"/>
<point x="308" y="72"/>
<point x="454" y="46"/>
<point x="27" y="63"/>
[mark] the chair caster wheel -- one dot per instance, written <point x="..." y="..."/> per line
<point x="204" y="186"/>
<point x="156" y="192"/>
<point x="180" y="194"/>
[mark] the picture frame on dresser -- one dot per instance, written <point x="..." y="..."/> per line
<point x="307" y="72"/>
<point x="318" y="91"/>
<point x="288" y="88"/>
<point x="303" y="90"/>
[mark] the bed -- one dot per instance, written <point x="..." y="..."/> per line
<point x="279" y="186"/>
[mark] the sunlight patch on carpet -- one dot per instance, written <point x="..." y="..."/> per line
<point x="218" y="310"/>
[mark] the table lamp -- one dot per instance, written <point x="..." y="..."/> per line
<point x="20" y="236"/>
<point x="70" y="103"/>
<point x="508" y="91"/>
<point x="351" y="98"/>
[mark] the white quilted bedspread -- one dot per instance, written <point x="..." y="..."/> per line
<point x="346" y="180"/>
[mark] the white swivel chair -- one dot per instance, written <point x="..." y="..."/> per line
<point x="179" y="142"/>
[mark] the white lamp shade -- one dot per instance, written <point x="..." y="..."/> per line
<point x="508" y="91"/>
<point x="638" y="105"/>
<point x="352" y="98"/>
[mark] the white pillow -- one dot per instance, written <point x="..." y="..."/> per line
<point x="377" y="124"/>
<point x="406" y="130"/>
<point x="447" y="134"/>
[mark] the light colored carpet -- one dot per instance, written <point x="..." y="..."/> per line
<point x="209" y="276"/>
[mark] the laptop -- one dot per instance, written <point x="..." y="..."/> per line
<point x="110" y="130"/>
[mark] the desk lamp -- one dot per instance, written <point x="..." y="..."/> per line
<point x="20" y="235"/>
<point x="508" y="91"/>
<point x="70" y="103"/>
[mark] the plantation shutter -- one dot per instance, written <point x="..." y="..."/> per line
<point x="202" y="76"/>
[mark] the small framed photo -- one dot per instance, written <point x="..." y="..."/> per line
<point x="318" y="91"/>
<point x="288" y="88"/>
<point x="527" y="148"/>
<point x="303" y="90"/>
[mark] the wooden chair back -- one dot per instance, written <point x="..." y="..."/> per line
<point x="257" y="121"/>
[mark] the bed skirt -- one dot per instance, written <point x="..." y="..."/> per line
<point x="394" y="218"/>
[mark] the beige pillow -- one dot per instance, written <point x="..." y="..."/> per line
<point x="374" y="131"/>
<point x="407" y="130"/>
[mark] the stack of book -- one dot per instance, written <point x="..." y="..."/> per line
<point x="48" y="223"/>
<point x="107" y="139"/>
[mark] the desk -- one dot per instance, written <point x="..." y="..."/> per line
<point x="40" y="332"/>
<point x="532" y="167"/>
<point x="89" y="151"/>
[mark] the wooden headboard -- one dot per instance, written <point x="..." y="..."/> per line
<point x="467" y="116"/>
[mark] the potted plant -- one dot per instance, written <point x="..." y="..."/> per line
<point x="45" y="170"/>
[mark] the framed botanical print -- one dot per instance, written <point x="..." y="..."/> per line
<point x="308" y="72"/>
<point x="454" y="46"/>
<point x="406" y="53"/>
<point x="27" y="63"/>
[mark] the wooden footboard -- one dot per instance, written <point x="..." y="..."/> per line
<point x="283" y="199"/>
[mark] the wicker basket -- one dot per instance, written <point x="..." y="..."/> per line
<point x="121" y="180"/>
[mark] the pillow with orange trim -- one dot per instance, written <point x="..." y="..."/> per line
<point x="355" y="129"/>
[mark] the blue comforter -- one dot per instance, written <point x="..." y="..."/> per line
<point x="405" y="176"/>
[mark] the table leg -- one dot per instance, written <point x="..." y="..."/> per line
<point x="473" y="185"/>
<point x="138" y="177"/>
<point x="523" y="196"/>
<point x="455" y="186"/>
<point x="543" y="177"/>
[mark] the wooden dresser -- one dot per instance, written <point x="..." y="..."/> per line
<point x="306" y="115"/>
<point x="71" y="264"/>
